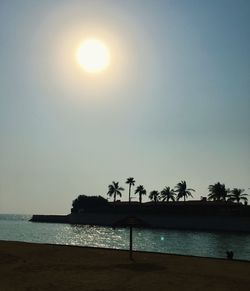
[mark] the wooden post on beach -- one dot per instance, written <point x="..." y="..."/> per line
<point x="131" y="242"/>
<point x="130" y="221"/>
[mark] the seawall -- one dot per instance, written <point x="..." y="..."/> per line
<point x="50" y="218"/>
<point x="197" y="223"/>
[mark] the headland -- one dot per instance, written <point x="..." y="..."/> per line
<point x="191" y="215"/>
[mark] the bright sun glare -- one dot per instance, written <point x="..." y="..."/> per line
<point x="93" y="56"/>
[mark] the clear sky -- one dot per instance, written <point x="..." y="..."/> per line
<point x="173" y="104"/>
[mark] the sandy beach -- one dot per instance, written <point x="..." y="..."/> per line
<point x="26" y="266"/>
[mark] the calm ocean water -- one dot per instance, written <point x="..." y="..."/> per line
<point x="209" y="244"/>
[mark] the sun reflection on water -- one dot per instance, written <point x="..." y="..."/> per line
<point x="93" y="236"/>
<point x="211" y="244"/>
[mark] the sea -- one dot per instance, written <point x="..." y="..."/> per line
<point x="194" y="243"/>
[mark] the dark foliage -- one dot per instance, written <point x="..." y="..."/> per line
<point x="141" y="191"/>
<point x="182" y="190"/>
<point x="115" y="190"/>
<point x="154" y="195"/>
<point x="238" y="195"/>
<point x="167" y="194"/>
<point x="218" y="192"/>
<point x="131" y="182"/>
<point x="88" y="203"/>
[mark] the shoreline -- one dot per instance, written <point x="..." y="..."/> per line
<point x="126" y="251"/>
<point x="30" y="266"/>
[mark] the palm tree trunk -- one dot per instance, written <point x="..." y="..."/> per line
<point x="129" y="197"/>
<point x="140" y="198"/>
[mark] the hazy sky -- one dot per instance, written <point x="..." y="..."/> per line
<point x="173" y="105"/>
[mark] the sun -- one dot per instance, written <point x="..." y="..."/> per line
<point x="93" y="56"/>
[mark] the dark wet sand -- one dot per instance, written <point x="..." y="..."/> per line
<point x="40" y="267"/>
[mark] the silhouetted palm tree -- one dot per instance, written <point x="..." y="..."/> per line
<point x="217" y="192"/>
<point x="154" y="195"/>
<point x="131" y="182"/>
<point x="114" y="190"/>
<point x="141" y="191"/>
<point x="182" y="191"/>
<point x="167" y="194"/>
<point x="237" y="195"/>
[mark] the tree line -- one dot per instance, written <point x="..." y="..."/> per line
<point x="216" y="192"/>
